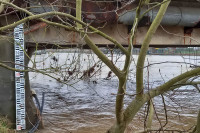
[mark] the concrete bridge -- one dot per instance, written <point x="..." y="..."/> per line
<point x="179" y="28"/>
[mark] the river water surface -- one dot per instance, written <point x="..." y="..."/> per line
<point x="89" y="105"/>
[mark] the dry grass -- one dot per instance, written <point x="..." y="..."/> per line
<point x="5" y="125"/>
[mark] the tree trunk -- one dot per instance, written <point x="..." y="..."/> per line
<point x="31" y="110"/>
<point x="117" y="128"/>
<point x="141" y="99"/>
<point x="197" y="129"/>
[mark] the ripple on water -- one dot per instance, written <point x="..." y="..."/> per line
<point x="90" y="107"/>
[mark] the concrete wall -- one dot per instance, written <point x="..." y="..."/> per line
<point x="7" y="82"/>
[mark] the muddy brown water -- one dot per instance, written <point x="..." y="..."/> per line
<point x="88" y="107"/>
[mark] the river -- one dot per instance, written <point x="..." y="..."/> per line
<point x="87" y="106"/>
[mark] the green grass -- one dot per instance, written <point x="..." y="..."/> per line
<point x="5" y="125"/>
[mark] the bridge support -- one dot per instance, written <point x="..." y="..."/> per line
<point x="7" y="80"/>
<point x="7" y="85"/>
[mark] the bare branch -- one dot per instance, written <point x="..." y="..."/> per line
<point x="145" y="46"/>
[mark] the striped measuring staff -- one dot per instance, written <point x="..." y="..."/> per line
<point x="19" y="77"/>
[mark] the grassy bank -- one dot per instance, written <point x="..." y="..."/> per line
<point x="5" y="125"/>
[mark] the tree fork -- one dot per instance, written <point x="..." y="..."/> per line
<point x="141" y="99"/>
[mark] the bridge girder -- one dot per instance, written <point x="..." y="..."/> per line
<point x="96" y="15"/>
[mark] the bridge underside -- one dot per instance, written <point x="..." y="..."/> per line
<point x="171" y="36"/>
<point x="52" y="37"/>
<point x="180" y="25"/>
